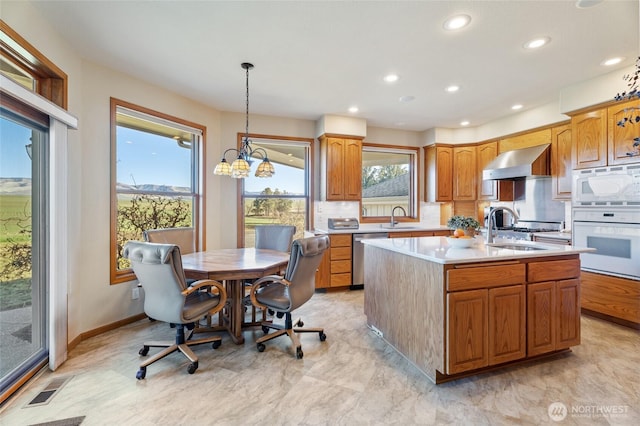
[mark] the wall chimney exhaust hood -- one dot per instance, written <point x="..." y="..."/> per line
<point x="519" y="164"/>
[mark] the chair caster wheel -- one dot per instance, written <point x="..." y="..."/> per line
<point x="279" y="315"/>
<point x="299" y="353"/>
<point x="192" y="367"/>
<point x="299" y="323"/>
<point x="261" y="347"/>
<point x="265" y="329"/>
<point x="144" y="351"/>
<point x="323" y="337"/>
<point x="216" y="344"/>
<point x="141" y="373"/>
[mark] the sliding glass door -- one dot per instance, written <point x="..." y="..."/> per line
<point x="23" y="236"/>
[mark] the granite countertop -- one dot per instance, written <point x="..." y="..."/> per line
<point x="366" y="228"/>
<point x="437" y="249"/>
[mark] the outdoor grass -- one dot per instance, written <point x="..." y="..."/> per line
<point x="15" y="294"/>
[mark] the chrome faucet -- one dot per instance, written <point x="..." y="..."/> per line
<point x="492" y="220"/>
<point x="393" y="222"/>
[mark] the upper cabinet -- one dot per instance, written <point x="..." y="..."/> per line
<point x="341" y="168"/>
<point x="438" y="171"/>
<point x="490" y="190"/>
<point x="589" y="134"/>
<point x="561" y="163"/>
<point x="464" y="173"/>
<point x="620" y="139"/>
<point x="599" y="141"/>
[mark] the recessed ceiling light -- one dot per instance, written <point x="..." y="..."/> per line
<point x="391" y="78"/>
<point x="452" y="88"/>
<point x="456" y="22"/>
<point x="464" y="123"/>
<point x="612" y="61"/>
<point x="516" y="106"/>
<point x="537" y="42"/>
<point x="353" y="109"/>
<point x="583" y="4"/>
<point x="406" y="98"/>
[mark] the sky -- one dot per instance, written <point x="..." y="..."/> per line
<point x="14" y="161"/>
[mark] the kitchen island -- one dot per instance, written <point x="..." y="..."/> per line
<point x="454" y="312"/>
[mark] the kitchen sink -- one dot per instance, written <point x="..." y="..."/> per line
<point x="398" y="227"/>
<point x="514" y="246"/>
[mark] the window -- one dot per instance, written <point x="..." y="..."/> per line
<point x="155" y="177"/>
<point x="285" y="197"/>
<point x="24" y="64"/>
<point x="389" y="179"/>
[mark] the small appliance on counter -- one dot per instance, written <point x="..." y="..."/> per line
<point x="343" y="223"/>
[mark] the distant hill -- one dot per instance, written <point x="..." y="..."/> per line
<point x="151" y="187"/>
<point x="15" y="186"/>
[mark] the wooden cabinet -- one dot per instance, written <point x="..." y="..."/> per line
<point x="491" y="190"/>
<point x="340" y="260"/>
<point x="615" y="297"/>
<point x="525" y="140"/>
<point x="341" y="168"/>
<point x="486" y="315"/>
<point x="620" y="139"/>
<point x="561" y="162"/>
<point x="323" y="274"/>
<point x="464" y="173"/>
<point x="467" y="322"/>
<point x="438" y="172"/>
<point x="589" y="135"/>
<point x="553" y="306"/>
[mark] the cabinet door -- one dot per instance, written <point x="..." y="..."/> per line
<point x="541" y="324"/>
<point x="464" y="173"/>
<point x="507" y="324"/>
<point x="438" y="168"/>
<point x="323" y="274"/>
<point x="620" y="139"/>
<point x="561" y="162"/>
<point x="352" y="169"/>
<point x="487" y="189"/>
<point x="589" y="135"/>
<point x="568" y="313"/>
<point x="335" y="169"/>
<point x="467" y="342"/>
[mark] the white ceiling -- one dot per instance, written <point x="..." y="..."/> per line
<point x="321" y="57"/>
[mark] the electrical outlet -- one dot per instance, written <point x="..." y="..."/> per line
<point x="135" y="293"/>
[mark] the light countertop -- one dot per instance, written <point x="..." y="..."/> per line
<point x="438" y="250"/>
<point x="366" y="228"/>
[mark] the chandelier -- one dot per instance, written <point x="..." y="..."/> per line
<point x="242" y="164"/>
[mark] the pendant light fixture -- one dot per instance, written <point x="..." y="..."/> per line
<point x="242" y="164"/>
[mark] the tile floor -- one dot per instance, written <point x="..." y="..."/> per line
<point x="353" y="378"/>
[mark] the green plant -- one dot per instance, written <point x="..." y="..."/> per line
<point x="632" y="117"/>
<point x="462" y="222"/>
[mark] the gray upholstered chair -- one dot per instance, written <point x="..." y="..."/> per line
<point x="167" y="298"/>
<point x="285" y="294"/>
<point x="275" y="237"/>
<point x="185" y="238"/>
<point x="271" y="237"/>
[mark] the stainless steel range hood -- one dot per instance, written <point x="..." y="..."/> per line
<point x="519" y="164"/>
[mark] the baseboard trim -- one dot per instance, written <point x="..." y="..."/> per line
<point x="103" y="329"/>
<point x="610" y="318"/>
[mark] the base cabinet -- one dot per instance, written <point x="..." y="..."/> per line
<point x="553" y="316"/>
<point x="340" y="260"/>
<point x="485" y="327"/>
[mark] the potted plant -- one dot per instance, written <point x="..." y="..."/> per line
<point x="633" y="114"/>
<point x="466" y="223"/>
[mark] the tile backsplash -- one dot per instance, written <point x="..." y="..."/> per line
<point x="429" y="212"/>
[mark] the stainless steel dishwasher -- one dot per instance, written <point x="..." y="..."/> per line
<point x="357" y="270"/>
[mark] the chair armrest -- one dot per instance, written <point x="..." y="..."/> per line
<point x="207" y="283"/>
<point x="269" y="279"/>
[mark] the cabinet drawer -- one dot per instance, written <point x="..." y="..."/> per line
<point x="340" y="280"/>
<point x="443" y="233"/>
<point x="341" y="240"/>
<point x="469" y="278"/>
<point x="340" y="266"/>
<point x="553" y="270"/>
<point x="403" y="234"/>
<point x="340" y="253"/>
